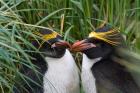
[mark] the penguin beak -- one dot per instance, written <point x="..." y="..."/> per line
<point x="82" y="45"/>
<point x="61" y="43"/>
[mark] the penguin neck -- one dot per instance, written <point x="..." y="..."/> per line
<point x="88" y="63"/>
<point x="65" y="61"/>
<point x="88" y="79"/>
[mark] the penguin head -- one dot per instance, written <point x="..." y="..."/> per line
<point x="51" y="44"/>
<point x="100" y="43"/>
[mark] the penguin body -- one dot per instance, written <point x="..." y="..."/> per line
<point x="59" y="73"/>
<point x="100" y="72"/>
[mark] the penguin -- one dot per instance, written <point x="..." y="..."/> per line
<point x="100" y="72"/>
<point x="59" y="73"/>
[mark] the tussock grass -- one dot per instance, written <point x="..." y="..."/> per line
<point x="73" y="19"/>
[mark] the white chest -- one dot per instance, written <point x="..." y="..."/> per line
<point x="88" y="80"/>
<point x="62" y="75"/>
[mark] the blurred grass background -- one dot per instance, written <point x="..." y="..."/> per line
<point x="73" y="19"/>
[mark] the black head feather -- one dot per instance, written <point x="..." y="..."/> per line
<point x="44" y="45"/>
<point x="106" y="39"/>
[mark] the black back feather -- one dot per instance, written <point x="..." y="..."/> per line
<point x="111" y="77"/>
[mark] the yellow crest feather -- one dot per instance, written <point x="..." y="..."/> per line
<point x="106" y="36"/>
<point x="47" y="37"/>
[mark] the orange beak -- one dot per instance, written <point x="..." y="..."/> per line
<point x="61" y="43"/>
<point x="81" y="46"/>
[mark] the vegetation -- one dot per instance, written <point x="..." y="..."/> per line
<point x="73" y="19"/>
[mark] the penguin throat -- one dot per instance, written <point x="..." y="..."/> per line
<point x="88" y="63"/>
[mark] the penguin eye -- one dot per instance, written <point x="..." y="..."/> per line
<point x="95" y="41"/>
<point x="101" y="44"/>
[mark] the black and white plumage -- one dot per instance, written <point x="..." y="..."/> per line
<point x="100" y="72"/>
<point x="55" y="63"/>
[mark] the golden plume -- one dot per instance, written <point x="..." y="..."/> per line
<point x="46" y="37"/>
<point x="111" y="36"/>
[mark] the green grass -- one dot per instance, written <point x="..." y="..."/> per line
<point x="73" y="19"/>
